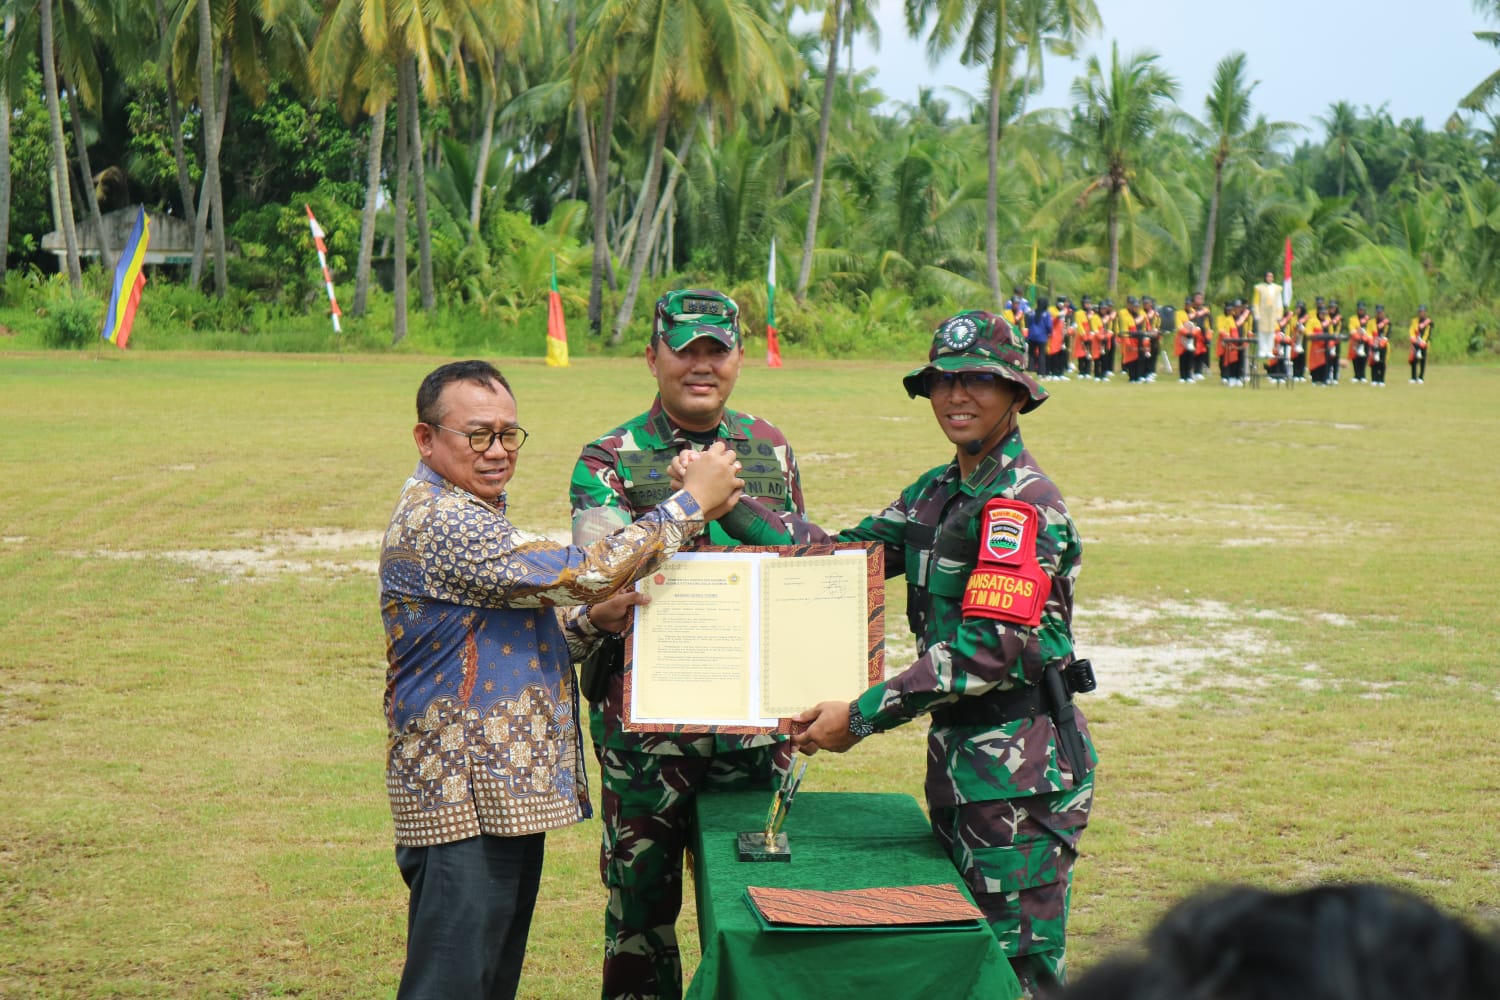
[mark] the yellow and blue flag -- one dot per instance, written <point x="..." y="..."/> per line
<point x="130" y="278"/>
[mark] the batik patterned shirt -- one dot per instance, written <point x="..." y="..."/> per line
<point x="931" y="533"/>
<point x="480" y="699"/>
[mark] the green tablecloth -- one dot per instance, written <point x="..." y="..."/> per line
<point x="839" y="841"/>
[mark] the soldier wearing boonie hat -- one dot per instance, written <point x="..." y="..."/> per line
<point x="991" y="556"/>
<point x="977" y="341"/>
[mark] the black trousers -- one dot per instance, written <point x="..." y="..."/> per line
<point x="1359" y="367"/>
<point x="1419" y="365"/>
<point x="468" y="916"/>
<point x="1035" y="357"/>
<point x="1185" y="365"/>
<point x="1377" y="372"/>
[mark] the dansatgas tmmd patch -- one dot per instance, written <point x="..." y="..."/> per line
<point x="1010" y="595"/>
<point x="1004" y="531"/>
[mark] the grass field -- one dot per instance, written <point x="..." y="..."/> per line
<point x="1290" y="597"/>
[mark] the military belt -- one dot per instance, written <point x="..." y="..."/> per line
<point x="995" y="707"/>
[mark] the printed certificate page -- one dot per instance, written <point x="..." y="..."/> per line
<point x="813" y="630"/>
<point x="695" y="650"/>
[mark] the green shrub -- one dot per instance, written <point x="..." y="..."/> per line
<point x="22" y="286"/>
<point x="74" y="319"/>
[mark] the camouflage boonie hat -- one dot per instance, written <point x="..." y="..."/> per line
<point x="689" y="313"/>
<point x="977" y="341"/>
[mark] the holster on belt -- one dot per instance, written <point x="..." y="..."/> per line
<point x="997" y="707"/>
<point x="1070" y="743"/>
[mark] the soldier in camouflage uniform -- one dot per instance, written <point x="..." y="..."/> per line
<point x="649" y="780"/>
<point x="990" y="556"/>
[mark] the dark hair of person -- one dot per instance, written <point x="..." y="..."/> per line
<point x="1330" y="942"/>
<point x="475" y="372"/>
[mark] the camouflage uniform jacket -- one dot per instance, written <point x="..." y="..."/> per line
<point x="480" y="699"/>
<point x="627" y="469"/>
<point x="931" y="531"/>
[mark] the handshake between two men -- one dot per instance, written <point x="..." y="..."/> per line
<point x="715" y="484"/>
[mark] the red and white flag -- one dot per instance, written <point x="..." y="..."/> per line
<point x="773" y="347"/>
<point x="557" y="327"/>
<point x="1286" y="281"/>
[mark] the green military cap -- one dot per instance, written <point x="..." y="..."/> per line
<point x="977" y="341"/>
<point x="689" y="313"/>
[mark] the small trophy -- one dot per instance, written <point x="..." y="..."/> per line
<point x="770" y="844"/>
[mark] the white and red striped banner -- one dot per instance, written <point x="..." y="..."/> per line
<point x="317" y="233"/>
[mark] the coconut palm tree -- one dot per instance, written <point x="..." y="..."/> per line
<point x="993" y="34"/>
<point x="414" y="40"/>
<point x="213" y="98"/>
<point x="833" y="29"/>
<point x="360" y="81"/>
<point x="1342" y="143"/>
<point x="733" y="199"/>
<point x="226" y="43"/>
<point x="1480" y="203"/>
<point x="683" y="53"/>
<point x="1119" y="110"/>
<point x="67" y="36"/>
<point x="1228" y="106"/>
<point x="59" y="145"/>
<point x="174" y="116"/>
<point x="1481" y="95"/>
<point x="595" y="86"/>
<point x="8" y="64"/>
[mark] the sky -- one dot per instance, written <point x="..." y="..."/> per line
<point x="1417" y="59"/>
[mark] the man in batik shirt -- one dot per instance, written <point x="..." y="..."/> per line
<point x="483" y="750"/>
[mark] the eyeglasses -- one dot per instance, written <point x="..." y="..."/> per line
<point x="968" y="381"/>
<point x="484" y="439"/>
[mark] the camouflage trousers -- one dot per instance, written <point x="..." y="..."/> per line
<point x="1016" y="856"/>
<point x="648" y="813"/>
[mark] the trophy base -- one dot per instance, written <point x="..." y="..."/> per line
<point x="752" y="846"/>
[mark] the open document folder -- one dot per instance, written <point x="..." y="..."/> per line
<point x="737" y="640"/>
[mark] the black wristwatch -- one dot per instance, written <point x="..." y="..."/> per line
<point x="858" y="724"/>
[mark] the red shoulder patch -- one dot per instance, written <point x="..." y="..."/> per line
<point x="1007" y="532"/>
